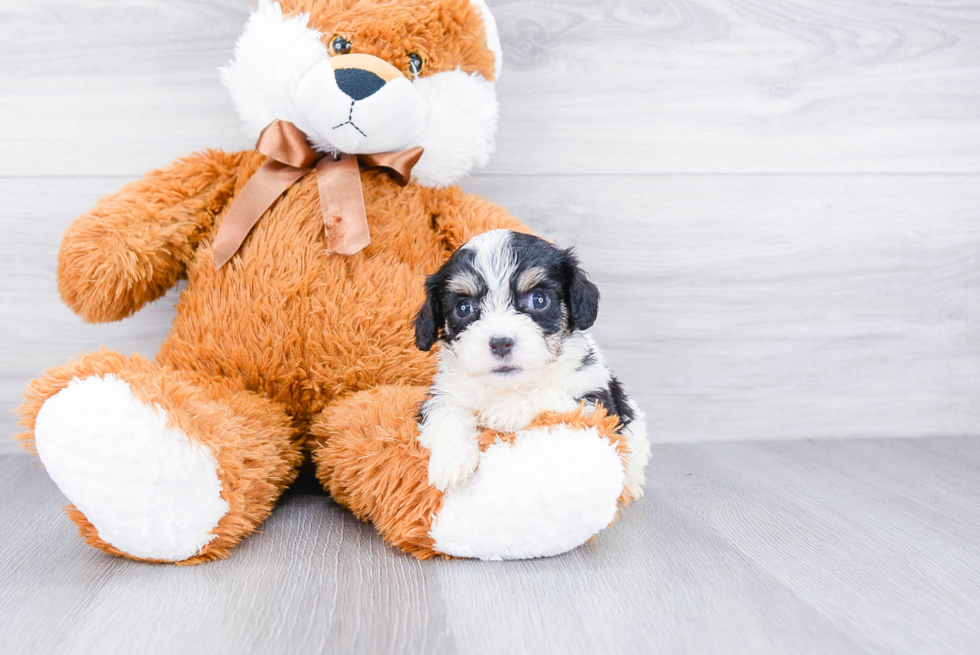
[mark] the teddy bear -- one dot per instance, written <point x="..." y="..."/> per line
<point x="304" y="262"/>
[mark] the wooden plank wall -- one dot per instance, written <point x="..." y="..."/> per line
<point x="780" y="199"/>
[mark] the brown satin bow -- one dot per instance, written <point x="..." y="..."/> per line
<point x="338" y="181"/>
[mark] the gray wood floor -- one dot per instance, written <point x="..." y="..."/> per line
<point x="833" y="546"/>
<point x="779" y="202"/>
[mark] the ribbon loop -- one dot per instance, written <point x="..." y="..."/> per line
<point x="397" y="164"/>
<point x="284" y="142"/>
<point x="338" y="183"/>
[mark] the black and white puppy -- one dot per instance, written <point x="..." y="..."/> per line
<point x="510" y="312"/>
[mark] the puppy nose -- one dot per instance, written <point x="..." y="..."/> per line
<point x="501" y="346"/>
<point x="357" y="83"/>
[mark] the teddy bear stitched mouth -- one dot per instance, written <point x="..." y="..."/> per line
<point x="350" y="122"/>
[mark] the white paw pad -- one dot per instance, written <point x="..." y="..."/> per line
<point x="548" y="493"/>
<point x="147" y="490"/>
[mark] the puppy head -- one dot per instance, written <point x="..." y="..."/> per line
<point x="371" y="76"/>
<point x="503" y="304"/>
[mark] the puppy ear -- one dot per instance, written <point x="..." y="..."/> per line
<point x="429" y="319"/>
<point x="583" y="296"/>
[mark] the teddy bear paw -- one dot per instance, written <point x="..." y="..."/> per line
<point x="548" y="491"/>
<point x="148" y="491"/>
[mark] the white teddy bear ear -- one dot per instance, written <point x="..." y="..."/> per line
<point x="462" y="121"/>
<point x="271" y="57"/>
<point x="459" y="129"/>
<point x="493" y="36"/>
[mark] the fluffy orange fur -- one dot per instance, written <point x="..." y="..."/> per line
<point x="448" y="34"/>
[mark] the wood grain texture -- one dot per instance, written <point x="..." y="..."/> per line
<point x="850" y="546"/>
<point x="753" y="307"/>
<point x="628" y="86"/>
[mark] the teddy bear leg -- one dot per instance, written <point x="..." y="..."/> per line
<point x="539" y="492"/>
<point x="159" y="465"/>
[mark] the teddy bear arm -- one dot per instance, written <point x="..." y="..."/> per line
<point x="468" y="215"/>
<point x="135" y="244"/>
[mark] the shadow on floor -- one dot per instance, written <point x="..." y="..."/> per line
<point x="306" y="483"/>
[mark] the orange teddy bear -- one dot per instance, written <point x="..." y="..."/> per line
<point x="305" y="261"/>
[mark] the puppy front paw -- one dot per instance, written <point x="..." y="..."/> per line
<point x="451" y="464"/>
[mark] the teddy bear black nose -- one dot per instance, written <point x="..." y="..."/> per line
<point x="358" y="83"/>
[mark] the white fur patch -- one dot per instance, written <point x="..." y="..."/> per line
<point x="272" y="56"/>
<point x="548" y="493"/>
<point x="494" y="262"/>
<point x="493" y="36"/>
<point x="147" y="490"/>
<point x="639" y="445"/>
<point x="460" y="126"/>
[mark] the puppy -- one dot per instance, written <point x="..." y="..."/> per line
<point x="510" y="311"/>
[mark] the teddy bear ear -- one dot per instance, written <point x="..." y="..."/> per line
<point x="493" y="36"/>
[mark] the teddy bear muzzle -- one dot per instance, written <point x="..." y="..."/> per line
<point x="360" y="104"/>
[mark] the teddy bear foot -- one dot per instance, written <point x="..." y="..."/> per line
<point x="145" y="488"/>
<point x="159" y="465"/>
<point x="546" y="492"/>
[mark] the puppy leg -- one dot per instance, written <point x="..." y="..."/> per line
<point x="450" y="434"/>
<point x="633" y="420"/>
<point x="636" y="435"/>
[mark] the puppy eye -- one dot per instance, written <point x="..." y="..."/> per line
<point x="463" y="308"/>
<point x="340" y="46"/>
<point x="415" y="63"/>
<point x="538" y="301"/>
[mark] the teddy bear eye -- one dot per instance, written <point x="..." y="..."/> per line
<point x="340" y="46"/>
<point x="415" y="63"/>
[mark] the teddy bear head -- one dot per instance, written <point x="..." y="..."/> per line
<point x="372" y="76"/>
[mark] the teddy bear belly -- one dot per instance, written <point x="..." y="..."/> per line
<point x="306" y="339"/>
